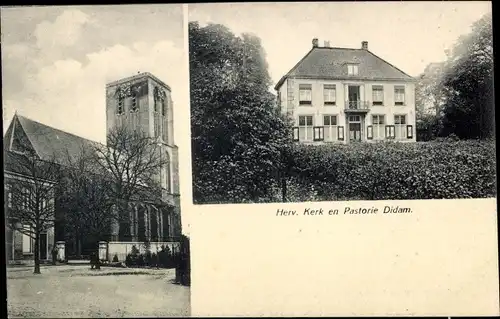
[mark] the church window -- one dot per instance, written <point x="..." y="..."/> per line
<point x="134" y="106"/>
<point x="164" y="108"/>
<point x="120" y="105"/>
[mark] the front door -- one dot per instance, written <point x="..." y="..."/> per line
<point x="43" y="246"/>
<point x="355" y="132"/>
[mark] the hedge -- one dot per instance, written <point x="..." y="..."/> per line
<point x="390" y="170"/>
<point x="164" y="259"/>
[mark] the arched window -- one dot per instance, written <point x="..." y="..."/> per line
<point x="119" y="109"/>
<point x="134" y="106"/>
<point x="164" y="107"/>
<point x="165" y="172"/>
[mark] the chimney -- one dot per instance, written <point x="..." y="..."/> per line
<point x="315" y="42"/>
<point x="364" y="45"/>
<point x="327" y="44"/>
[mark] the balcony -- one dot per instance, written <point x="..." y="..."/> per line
<point x="357" y="106"/>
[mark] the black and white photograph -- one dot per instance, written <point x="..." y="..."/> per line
<point x="296" y="102"/>
<point x="93" y="219"/>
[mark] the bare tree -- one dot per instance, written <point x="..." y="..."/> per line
<point x="132" y="162"/>
<point x="33" y="192"/>
<point x="84" y="198"/>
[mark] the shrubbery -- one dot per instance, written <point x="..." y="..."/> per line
<point x="164" y="259"/>
<point x="447" y="168"/>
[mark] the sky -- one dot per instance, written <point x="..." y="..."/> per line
<point x="409" y="35"/>
<point x="56" y="61"/>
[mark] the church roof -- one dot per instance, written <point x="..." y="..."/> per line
<point x="45" y="141"/>
<point x="329" y="63"/>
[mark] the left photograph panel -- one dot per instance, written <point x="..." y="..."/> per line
<point x="92" y="203"/>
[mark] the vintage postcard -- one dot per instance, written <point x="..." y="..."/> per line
<point x="250" y="159"/>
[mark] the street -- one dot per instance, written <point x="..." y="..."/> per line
<point x="77" y="291"/>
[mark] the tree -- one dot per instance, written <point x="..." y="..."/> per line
<point x="238" y="135"/>
<point x="85" y="200"/>
<point x="468" y="84"/>
<point x="33" y="209"/>
<point x="130" y="162"/>
<point x="429" y="96"/>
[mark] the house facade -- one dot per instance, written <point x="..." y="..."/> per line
<point x="342" y="95"/>
<point x="141" y="102"/>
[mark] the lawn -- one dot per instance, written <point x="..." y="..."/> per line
<point x="77" y="291"/>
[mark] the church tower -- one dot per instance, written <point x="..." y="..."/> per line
<point x="143" y="103"/>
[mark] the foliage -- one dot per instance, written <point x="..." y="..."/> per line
<point x="165" y="258"/>
<point x="237" y="132"/>
<point x="429" y="97"/>
<point x="381" y="171"/>
<point x="85" y="200"/>
<point x="32" y="202"/>
<point x="428" y="127"/>
<point x="460" y="90"/>
<point x="468" y="83"/>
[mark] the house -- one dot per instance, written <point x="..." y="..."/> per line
<point x="141" y="102"/>
<point x="343" y="95"/>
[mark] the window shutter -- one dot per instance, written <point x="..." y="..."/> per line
<point x="389" y="131"/>
<point x="318" y="133"/>
<point x="409" y="131"/>
<point x="295" y="134"/>
<point x="340" y="133"/>
<point x="369" y="132"/>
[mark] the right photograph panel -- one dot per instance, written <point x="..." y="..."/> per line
<point x="327" y="102"/>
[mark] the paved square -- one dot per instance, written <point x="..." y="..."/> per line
<point x="77" y="291"/>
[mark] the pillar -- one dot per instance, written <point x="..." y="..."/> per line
<point x="61" y="249"/>
<point x="131" y="220"/>
<point x="158" y="212"/>
<point x="161" y="224"/>
<point x="146" y="223"/>
<point x="115" y="225"/>
<point x="136" y="223"/>
<point x="103" y="250"/>
<point x="149" y="223"/>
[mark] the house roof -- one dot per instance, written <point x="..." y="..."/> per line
<point x="329" y="63"/>
<point x="47" y="142"/>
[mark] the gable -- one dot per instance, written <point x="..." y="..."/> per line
<point x="16" y="139"/>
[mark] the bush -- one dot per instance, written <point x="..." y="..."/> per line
<point x="165" y="258"/>
<point x="448" y="168"/>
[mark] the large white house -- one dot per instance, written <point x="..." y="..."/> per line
<point x="343" y="95"/>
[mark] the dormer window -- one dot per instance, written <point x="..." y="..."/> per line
<point x="352" y="69"/>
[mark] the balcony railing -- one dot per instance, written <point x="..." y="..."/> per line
<point x="357" y="105"/>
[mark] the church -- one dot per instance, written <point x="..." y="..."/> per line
<point x="141" y="102"/>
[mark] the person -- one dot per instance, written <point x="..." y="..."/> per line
<point x="92" y="260"/>
<point x="54" y="255"/>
